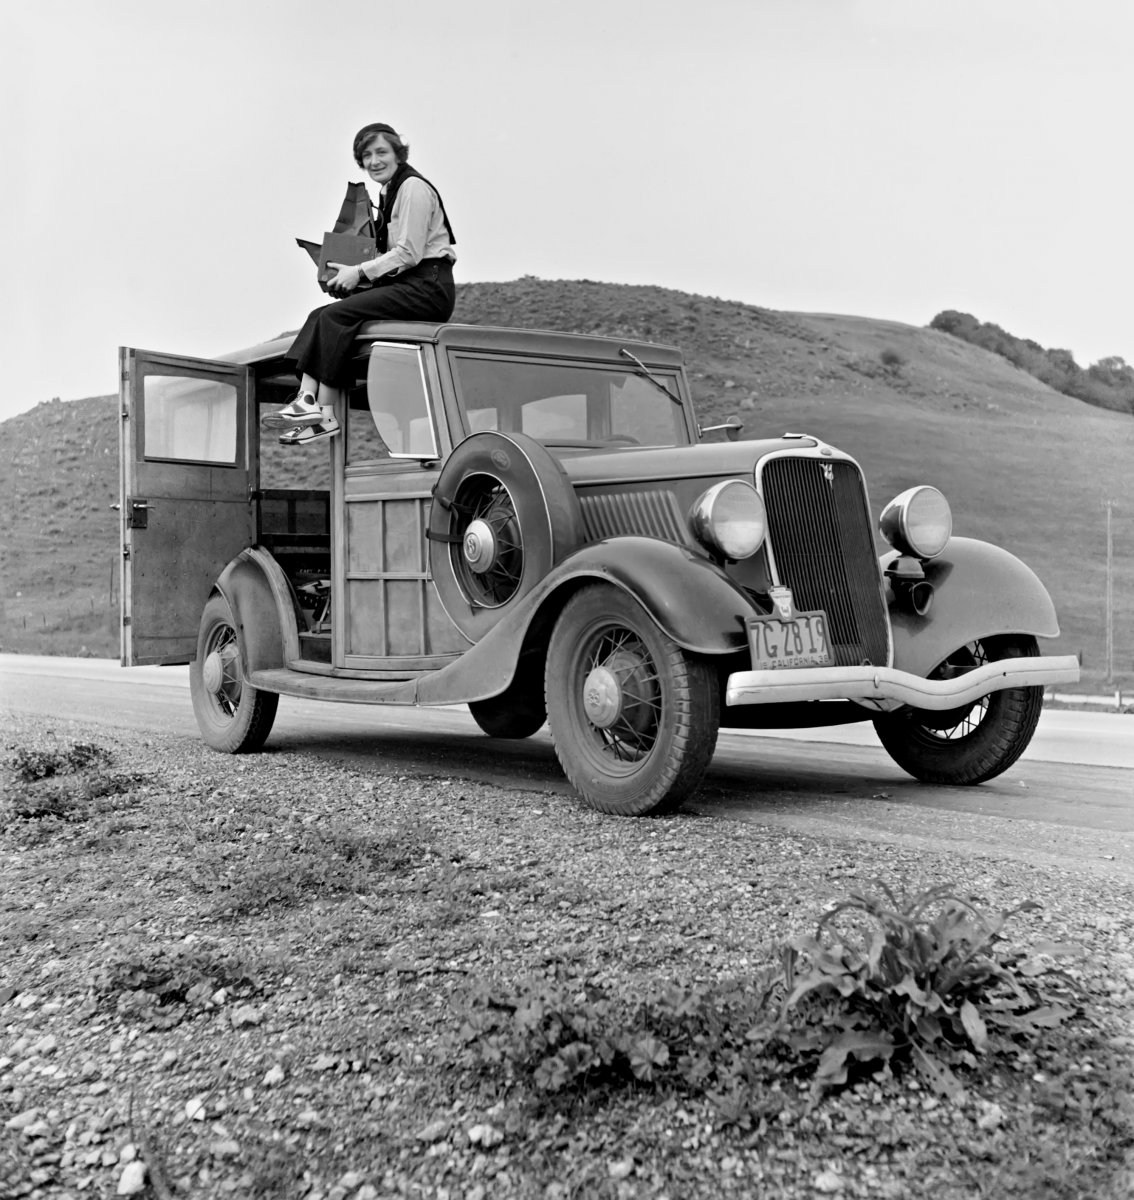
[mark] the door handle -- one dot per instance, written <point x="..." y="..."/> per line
<point x="138" y="514"/>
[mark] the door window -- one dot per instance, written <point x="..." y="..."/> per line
<point x="189" y="420"/>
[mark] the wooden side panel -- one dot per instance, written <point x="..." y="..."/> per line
<point x="395" y="618"/>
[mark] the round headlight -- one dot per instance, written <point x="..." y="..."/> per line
<point x="729" y="518"/>
<point x="918" y="522"/>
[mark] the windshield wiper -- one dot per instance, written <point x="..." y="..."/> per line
<point x="645" y="372"/>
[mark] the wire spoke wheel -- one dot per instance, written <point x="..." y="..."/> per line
<point x="633" y="717"/>
<point x="232" y="716"/>
<point x="222" y="669"/>
<point x="617" y="657"/>
<point x="974" y="743"/>
<point x="957" y="723"/>
<point x="503" y="514"/>
<point x="487" y="546"/>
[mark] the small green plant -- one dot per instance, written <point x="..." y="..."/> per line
<point x="164" y="985"/>
<point x="30" y="764"/>
<point x="570" y="1038"/>
<point x="67" y="782"/>
<point x="925" y="978"/>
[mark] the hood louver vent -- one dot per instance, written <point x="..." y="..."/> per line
<point x="652" y="514"/>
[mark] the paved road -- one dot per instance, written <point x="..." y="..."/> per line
<point x="1069" y="800"/>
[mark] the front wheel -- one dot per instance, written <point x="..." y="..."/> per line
<point x="634" y="718"/>
<point x="971" y="744"/>
<point x="232" y="716"/>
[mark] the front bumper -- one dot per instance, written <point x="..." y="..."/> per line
<point x="886" y="688"/>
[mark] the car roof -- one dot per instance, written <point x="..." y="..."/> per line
<point x="499" y="339"/>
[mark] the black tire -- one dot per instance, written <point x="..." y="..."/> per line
<point x="973" y="744"/>
<point x="232" y="716"/>
<point x="516" y="713"/>
<point x="634" y="718"/>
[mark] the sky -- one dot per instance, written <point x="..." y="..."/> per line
<point x="886" y="158"/>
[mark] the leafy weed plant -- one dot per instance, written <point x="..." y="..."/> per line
<point x="926" y="979"/>
<point x="164" y="985"/>
<point x="570" y="1038"/>
<point x="62" y="783"/>
<point x="29" y="764"/>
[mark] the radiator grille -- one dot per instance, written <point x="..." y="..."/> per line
<point x="645" y="514"/>
<point x="819" y="530"/>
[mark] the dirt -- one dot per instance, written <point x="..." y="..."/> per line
<point x="254" y="977"/>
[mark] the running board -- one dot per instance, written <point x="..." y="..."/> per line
<point x="307" y="686"/>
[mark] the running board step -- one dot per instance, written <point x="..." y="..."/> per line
<point x="285" y="682"/>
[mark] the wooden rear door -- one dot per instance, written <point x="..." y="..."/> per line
<point x="188" y="477"/>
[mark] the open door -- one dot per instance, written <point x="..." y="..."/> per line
<point x="188" y="477"/>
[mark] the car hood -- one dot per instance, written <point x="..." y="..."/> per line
<point x="649" y="463"/>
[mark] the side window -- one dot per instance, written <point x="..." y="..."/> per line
<point x="189" y="420"/>
<point x="399" y="404"/>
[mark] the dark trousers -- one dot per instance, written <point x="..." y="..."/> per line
<point x="324" y="347"/>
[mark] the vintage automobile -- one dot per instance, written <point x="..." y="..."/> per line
<point x="530" y="523"/>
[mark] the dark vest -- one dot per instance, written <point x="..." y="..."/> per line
<point x="386" y="208"/>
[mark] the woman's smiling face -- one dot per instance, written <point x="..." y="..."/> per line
<point x="378" y="159"/>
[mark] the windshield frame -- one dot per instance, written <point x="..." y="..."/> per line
<point x="667" y="405"/>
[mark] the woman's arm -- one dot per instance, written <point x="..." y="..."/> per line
<point x="414" y="211"/>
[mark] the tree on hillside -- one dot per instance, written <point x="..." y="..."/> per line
<point x="1109" y="383"/>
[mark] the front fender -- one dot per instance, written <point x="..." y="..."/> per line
<point x="259" y="597"/>
<point x="690" y="599"/>
<point x="979" y="590"/>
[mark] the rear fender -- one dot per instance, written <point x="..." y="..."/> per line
<point x="979" y="591"/>
<point x="263" y="611"/>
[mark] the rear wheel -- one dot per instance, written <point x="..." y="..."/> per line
<point x="971" y="744"/>
<point x="634" y="718"/>
<point x="232" y="716"/>
<point x="516" y="713"/>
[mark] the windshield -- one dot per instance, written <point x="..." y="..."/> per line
<point x="569" y="404"/>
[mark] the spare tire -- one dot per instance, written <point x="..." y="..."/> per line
<point x="503" y="513"/>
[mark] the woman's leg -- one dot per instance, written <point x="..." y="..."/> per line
<point x="324" y="347"/>
<point x="328" y="399"/>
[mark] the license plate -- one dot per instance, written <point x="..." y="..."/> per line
<point x="800" y="641"/>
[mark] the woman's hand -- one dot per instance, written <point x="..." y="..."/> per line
<point x="345" y="281"/>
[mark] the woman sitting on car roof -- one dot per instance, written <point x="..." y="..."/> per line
<point x="410" y="280"/>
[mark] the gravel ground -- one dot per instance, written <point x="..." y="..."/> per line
<point x="250" y="976"/>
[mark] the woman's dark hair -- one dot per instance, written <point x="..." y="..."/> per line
<point x="368" y="133"/>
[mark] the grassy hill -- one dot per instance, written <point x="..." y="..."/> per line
<point x="1022" y="465"/>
